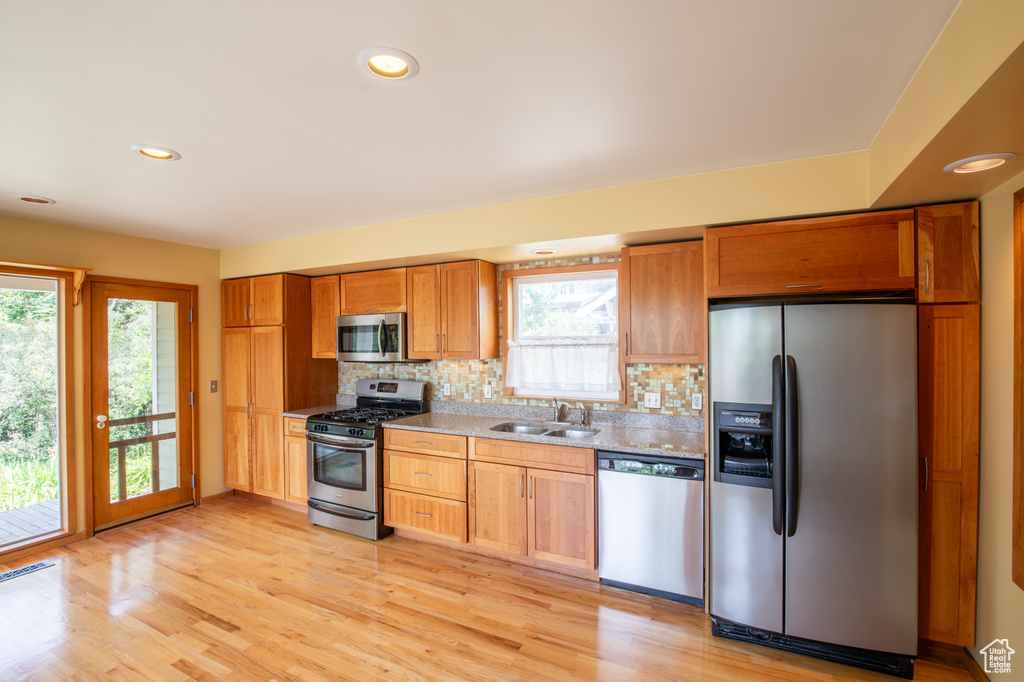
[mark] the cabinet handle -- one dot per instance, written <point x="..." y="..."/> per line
<point x="420" y="442"/>
<point x="436" y="336"/>
<point x="625" y="351"/>
<point x="246" y="315"/>
<point x="426" y="515"/>
<point x="422" y="474"/>
<point x="926" y="474"/>
<point x="529" y="488"/>
<point x="520" y="485"/>
<point x="444" y="342"/>
<point x="927" y="276"/>
<point x="801" y="286"/>
<point x="373" y="310"/>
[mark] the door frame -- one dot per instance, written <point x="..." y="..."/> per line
<point x="193" y="342"/>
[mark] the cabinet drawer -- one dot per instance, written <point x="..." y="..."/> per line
<point x="428" y="515"/>
<point x="294" y="427"/>
<point x="440" y="476"/>
<point x="553" y="457"/>
<point x="442" y="444"/>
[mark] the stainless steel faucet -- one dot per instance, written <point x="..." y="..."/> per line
<point x="561" y="411"/>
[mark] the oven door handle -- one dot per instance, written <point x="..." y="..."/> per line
<point x="341" y="441"/>
<point x="313" y="504"/>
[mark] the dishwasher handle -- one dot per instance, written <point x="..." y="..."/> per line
<point x="651" y="467"/>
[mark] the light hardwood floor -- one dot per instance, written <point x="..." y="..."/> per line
<point x="242" y="590"/>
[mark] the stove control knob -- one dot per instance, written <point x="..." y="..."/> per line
<point x="353" y="432"/>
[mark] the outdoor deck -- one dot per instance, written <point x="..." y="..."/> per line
<point x="27" y="522"/>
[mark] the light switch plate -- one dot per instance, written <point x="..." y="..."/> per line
<point x="213" y="387"/>
<point x="697" y="401"/>
<point x="652" y="400"/>
<point x="487" y="390"/>
<point x="447" y="389"/>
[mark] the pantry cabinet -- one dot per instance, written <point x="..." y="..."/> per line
<point x="949" y="364"/>
<point x="267" y="371"/>
<point x="453" y="311"/>
<point x="948" y="253"/>
<point x="531" y="500"/>
<point x="862" y="252"/>
<point x="662" y="305"/>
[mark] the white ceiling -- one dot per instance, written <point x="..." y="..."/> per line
<point x="281" y="134"/>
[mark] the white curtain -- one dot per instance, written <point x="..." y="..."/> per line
<point x="584" y="364"/>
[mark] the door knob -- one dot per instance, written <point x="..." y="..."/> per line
<point x="101" y="421"/>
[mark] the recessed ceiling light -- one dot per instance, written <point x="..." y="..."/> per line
<point x="29" y="199"/>
<point x="158" y="153"/>
<point x="974" y="164"/>
<point x="387" y="62"/>
<point x="543" y="252"/>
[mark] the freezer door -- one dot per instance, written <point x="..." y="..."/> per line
<point x="851" y="560"/>
<point x="746" y="554"/>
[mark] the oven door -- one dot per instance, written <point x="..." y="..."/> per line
<point x="343" y="470"/>
<point x="371" y="338"/>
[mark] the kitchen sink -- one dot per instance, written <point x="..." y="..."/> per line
<point x="571" y="433"/>
<point x="544" y="430"/>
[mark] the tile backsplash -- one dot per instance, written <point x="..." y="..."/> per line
<point x="467" y="378"/>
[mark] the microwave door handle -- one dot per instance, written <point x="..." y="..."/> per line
<point x="380" y="338"/>
<point x="778" y="445"/>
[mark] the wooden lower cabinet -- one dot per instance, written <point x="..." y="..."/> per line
<point x="425" y="514"/>
<point x="538" y="513"/>
<point x="294" y="463"/>
<point x="949" y="361"/>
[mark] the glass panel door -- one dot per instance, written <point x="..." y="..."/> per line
<point x="31" y="486"/>
<point x="141" y="412"/>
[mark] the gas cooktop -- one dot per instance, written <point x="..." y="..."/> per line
<point x="377" y="401"/>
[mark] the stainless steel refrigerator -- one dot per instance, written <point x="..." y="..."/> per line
<point x="813" y="493"/>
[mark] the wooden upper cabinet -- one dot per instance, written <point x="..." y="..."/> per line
<point x="662" y="309"/>
<point x="453" y="311"/>
<point x="377" y="291"/>
<point x="325" y="307"/>
<point x="948" y="261"/>
<point x="253" y="301"/>
<point x="863" y="252"/>
<point x="423" y="334"/>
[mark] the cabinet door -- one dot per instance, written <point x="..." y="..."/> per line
<point x="864" y="252"/>
<point x="235" y="389"/>
<point x="424" y="320"/>
<point x="295" y="469"/>
<point x="378" y="291"/>
<point x="267" y="410"/>
<point x="561" y="518"/>
<point x="497" y="504"/>
<point x="460" y="311"/>
<point x="663" y="313"/>
<point x="948" y="261"/>
<point x="948" y="413"/>
<point x="324" y="310"/>
<point x="234" y="303"/>
<point x="267" y="300"/>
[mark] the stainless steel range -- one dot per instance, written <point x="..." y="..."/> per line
<point x="344" y="456"/>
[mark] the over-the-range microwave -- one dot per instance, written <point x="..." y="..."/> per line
<point x="373" y="337"/>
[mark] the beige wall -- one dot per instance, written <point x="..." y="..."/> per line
<point x="1000" y="600"/>
<point x="135" y="258"/>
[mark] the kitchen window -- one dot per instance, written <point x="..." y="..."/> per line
<point x="562" y="333"/>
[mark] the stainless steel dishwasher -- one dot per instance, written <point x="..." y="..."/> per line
<point x="651" y="525"/>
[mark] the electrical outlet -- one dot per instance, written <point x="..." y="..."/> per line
<point x="697" y="401"/>
<point x="447" y="389"/>
<point x="213" y="387"/>
<point x="652" y="400"/>
<point x="487" y="390"/>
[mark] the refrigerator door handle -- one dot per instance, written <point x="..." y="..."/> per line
<point x="791" y="446"/>
<point x="778" y="444"/>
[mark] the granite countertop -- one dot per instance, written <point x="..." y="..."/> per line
<point x="643" y="441"/>
<point x="310" y="411"/>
